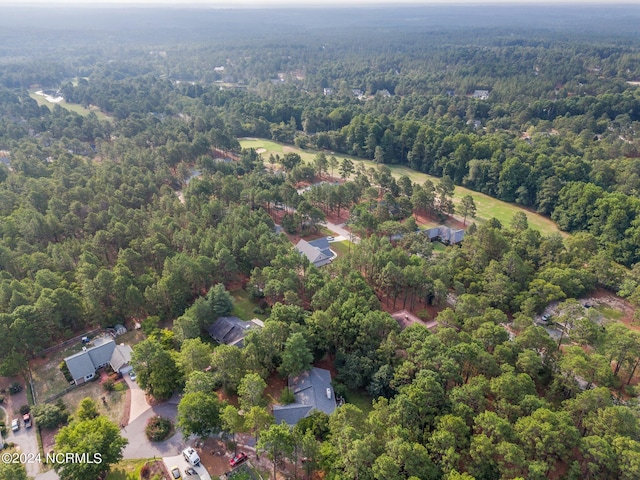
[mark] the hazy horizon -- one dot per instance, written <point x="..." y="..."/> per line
<point x="298" y="4"/>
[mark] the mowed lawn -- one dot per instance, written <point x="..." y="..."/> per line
<point x="244" y="305"/>
<point x="487" y="206"/>
<point x="341" y="248"/>
<point x="72" y="107"/>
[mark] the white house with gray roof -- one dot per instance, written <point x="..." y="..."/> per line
<point x="447" y="235"/>
<point x="317" y="251"/>
<point x="83" y="365"/>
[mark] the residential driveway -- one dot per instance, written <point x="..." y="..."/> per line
<point x="182" y="464"/>
<point x="139" y="403"/>
<point x="25" y="439"/>
<point x="341" y="231"/>
<point x="139" y="445"/>
<point x="48" y="475"/>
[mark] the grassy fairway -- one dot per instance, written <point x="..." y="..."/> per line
<point x="487" y="206"/>
<point x="72" y="107"/>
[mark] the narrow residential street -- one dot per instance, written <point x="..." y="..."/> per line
<point x="25" y="439"/>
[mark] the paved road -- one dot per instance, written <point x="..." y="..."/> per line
<point x="25" y="439"/>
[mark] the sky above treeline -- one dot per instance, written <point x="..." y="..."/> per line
<point x="307" y="3"/>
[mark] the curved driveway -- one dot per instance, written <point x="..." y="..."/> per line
<point x="139" y="445"/>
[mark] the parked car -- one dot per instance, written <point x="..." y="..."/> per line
<point x="175" y="473"/>
<point x="190" y="471"/>
<point x="238" y="459"/>
<point x="15" y="425"/>
<point x="27" y="420"/>
<point x="330" y="238"/>
<point x="191" y="456"/>
<point x="132" y="376"/>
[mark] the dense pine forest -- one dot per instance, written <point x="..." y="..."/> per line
<point x="131" y="201"/>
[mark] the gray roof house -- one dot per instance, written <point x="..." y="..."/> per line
<point x="121" y="358"/>
<point x="318" y="251"/>
<point x="312" y="391"/>
<point x="481" y="94"/>
<point x="445" y="234"/>
<point x="83" y="365"/>
<point x="231" y="330"/>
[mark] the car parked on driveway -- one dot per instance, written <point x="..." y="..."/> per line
<point x="175" y="473"/>
<point x="132" y="376"/>
<point x="15" y="425"/>
<point x="238" y="459"/>
<point x="191" y="456"/>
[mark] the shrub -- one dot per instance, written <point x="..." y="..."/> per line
<point x="109" y="385"/>
<point x="158" y="428"/>
<point x="24" y="409"/>
<point x="145" y="471"/>
<point x="65" y="371"/>
<point x="14" y="388"/>
<point x="287" y="397"/>
<point x="340" y="390"/>
<point x="49" y="416"/>
<point x="150" y="325"/>
<point x="1" y="398"/>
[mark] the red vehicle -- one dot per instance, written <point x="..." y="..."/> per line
<point x="27" y="420"/>
<point x="238" y="459"/>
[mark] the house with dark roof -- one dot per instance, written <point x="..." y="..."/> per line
<point x="445" y="235"/>
<point x="317" y="251"/>
<point x="480" y="94"/>
<point x="83" y="365"/>
<point x="312" y="391"/>
<point x="232" y="330"/>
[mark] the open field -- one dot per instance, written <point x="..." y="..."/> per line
<point x="72" y="107"/>
<point x="487" y="206"/>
